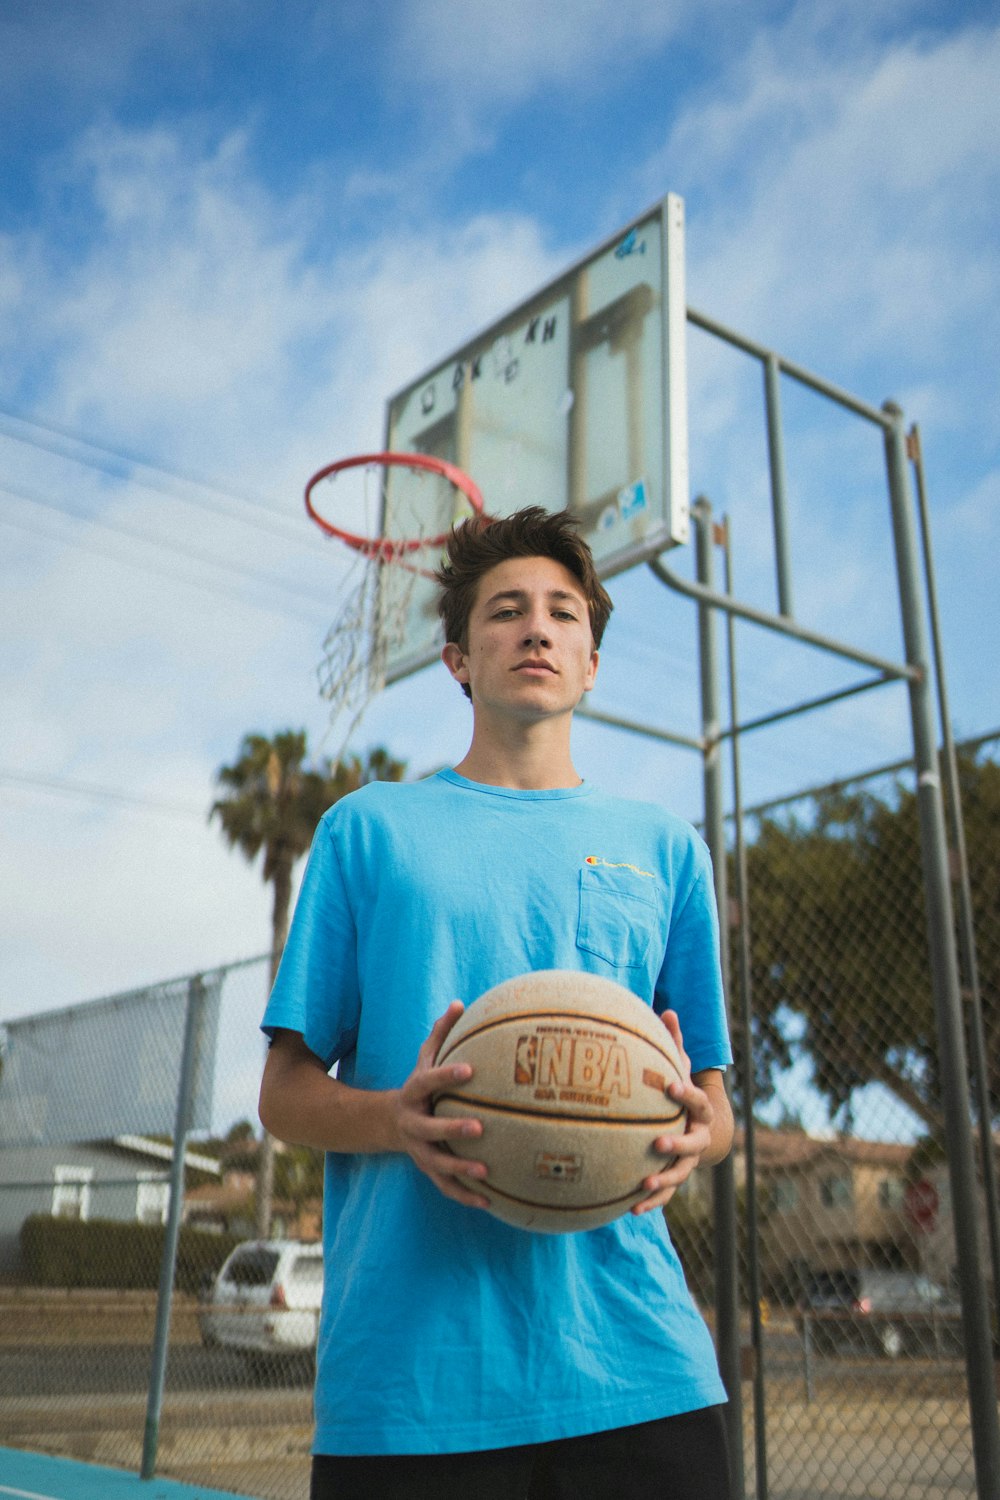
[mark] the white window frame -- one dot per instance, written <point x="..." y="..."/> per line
<point x="786" y="1195"/>
<point x="152" y="1198"/>
<point x="71" y="1192"/>
<point x="836" y="1191"/>
<point x="892" y="1194"/>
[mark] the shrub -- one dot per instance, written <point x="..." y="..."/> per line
<point x="115" y="1254"/>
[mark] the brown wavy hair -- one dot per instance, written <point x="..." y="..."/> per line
<point x="478" y="544"/>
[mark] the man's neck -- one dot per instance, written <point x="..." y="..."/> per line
<point x="530" y="758"/>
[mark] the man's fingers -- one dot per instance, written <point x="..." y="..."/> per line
<point x="426" y="1136"/>
<point x="453" y="1175"/>
<point x="421" y="1127"/>
<point x="655" y="1200"/>
<point x="458" y="1191"/>
<point x="439" y="1031"/>
<point x="427" y="1081"/>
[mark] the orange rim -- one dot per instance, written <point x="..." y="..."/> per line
<point x="386" y="549"/>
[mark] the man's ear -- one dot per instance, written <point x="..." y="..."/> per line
<point x="595" y="659"/>
<point x="455" y="660"/>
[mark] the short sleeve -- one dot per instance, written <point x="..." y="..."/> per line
<point x="316" y="990"/>
<point x="690" y="980"/>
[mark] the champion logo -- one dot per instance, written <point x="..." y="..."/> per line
<point x="617" y="864"/>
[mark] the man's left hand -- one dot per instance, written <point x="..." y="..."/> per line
<point x="707" y="1133"/>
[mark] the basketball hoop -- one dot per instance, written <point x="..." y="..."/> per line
<point x="394" y="511"/>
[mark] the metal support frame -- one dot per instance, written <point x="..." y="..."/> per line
<point x="168" y="1263"/>
<point x="944" y="977"/>
<point x="741" y="1007"/>
<point x="725" y="1237"/>
<point x="915" y="671"/>
<point x="966" y="929"/>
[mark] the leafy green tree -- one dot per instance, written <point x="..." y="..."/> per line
<point x="840" y="963"/>
<point x="298" y="1176"/>
<point x="271" y="801"/>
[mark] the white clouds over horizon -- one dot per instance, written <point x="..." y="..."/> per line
<point x="171" y="289"/>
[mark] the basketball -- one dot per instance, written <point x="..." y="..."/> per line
<point x="570" y="1076"/>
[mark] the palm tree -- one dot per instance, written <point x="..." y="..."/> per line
<point x="272" y="801"/>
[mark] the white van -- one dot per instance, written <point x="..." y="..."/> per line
<point x="265" y="1300"/>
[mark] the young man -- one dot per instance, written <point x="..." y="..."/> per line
<point x="458" y="1355"/>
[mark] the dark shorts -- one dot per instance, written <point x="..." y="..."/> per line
<point x="674" y="1458"/>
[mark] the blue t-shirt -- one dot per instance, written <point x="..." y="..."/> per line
<point x="443" y="1329"/>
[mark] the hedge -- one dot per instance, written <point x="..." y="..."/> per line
<point x="115" y="1254"/>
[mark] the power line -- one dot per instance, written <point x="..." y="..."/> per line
<point x="214" y="591"/>
<point x="195" y="554"/>
<point x="68" y="788"/>
<point x="168" y="546"/>
<point x="50" y="437"/>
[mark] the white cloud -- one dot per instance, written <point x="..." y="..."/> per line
<point x="242" y="327"/>
<point x="852" y="199"/>
<point x="108" y="897"/>
<point x="188" y="321"/>
<point x="842" y="211"/>
<point x="208" y="318"/>
<point x="489" y="54"/>
<point x="187" y="291"/>
<point x="976" y="518"/>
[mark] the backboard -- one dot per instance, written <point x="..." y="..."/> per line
<point x="575" y="399"/>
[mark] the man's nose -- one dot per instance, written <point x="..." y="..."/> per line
<point x="537" y="633"/>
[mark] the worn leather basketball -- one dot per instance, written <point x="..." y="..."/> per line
<point x="570" y="1076"/>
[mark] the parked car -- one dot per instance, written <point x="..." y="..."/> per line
<point x="891" y="1313"/>
<point x="265" y="1301"/>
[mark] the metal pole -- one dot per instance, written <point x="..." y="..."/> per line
<point x="727" y="1318"/>
<point x="746" y="1026"/>
<point x="944" y="977"/>
<point x="787" y="367"/>
<point x="704" y="595"/>
<point x="779" y="494"/>
<point x="168" y="1263"/>
<point x="966" y="926"/>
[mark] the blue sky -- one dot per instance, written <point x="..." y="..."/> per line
<point x="229" y="232"/>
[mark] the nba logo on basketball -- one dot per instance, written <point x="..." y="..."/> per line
<point x="561" y="1064"/>
<point x="525" y="1059"/>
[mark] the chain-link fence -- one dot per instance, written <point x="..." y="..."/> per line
<point x="860" y="1382"/>
<point x="854" y="1384"/>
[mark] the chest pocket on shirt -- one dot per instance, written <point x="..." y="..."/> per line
<point x="618" y="915"/>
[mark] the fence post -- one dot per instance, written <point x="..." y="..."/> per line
<point x="807" y="1356"/>
<point x="726" y="1255"/>
<point x="944" y="976"/>
<point x="966" y="927"/>
<point x="168" y="1262"/>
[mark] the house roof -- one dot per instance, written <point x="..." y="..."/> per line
<point x="792" y="1149"/>
<point x="161" y="1151"/>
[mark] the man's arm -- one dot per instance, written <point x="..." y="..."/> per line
<point x="707" y="1136"/>
<point x="301" y="1104"/>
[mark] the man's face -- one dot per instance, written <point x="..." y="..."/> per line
<point x="530" y="652"/>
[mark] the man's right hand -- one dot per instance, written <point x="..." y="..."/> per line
<point x="423" y="1135"/>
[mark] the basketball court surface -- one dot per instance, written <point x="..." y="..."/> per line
<point x="35" y="1476"/>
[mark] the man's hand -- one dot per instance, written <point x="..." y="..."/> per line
<point x="422" y="1135"/>
<point x="707" y="1135"/>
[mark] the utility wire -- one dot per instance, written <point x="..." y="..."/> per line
<point x="52" y="438"/>
<point x="68" y="788"/>
<point x="215" y="591"/>
<point x="135" y="533"/>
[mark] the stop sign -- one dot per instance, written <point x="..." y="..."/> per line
<point x="922" y="1204"/>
